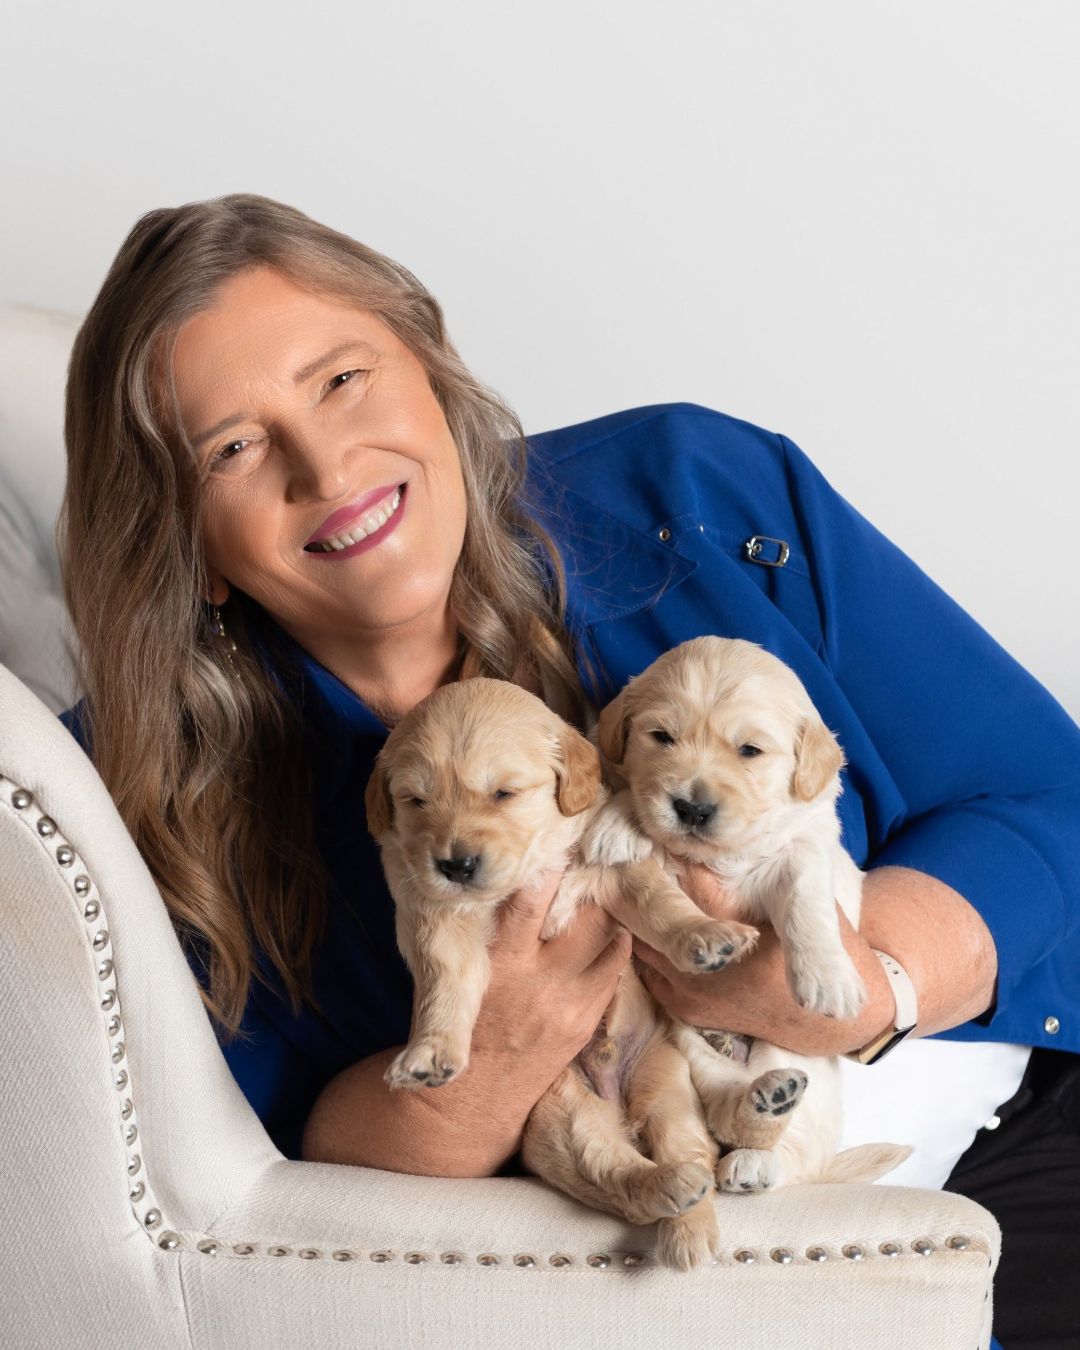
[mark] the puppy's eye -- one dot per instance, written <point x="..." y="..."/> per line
<point x="501" y="794"/>
<point x="664" y="737"/>
<point x="749" y="751"/>
<point x="416" y="801"/>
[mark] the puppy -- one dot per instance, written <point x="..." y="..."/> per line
<point x="724" y="760"/>
<point x="477" y="791"/>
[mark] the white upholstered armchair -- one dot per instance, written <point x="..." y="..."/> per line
<point x="141" y="1201"/>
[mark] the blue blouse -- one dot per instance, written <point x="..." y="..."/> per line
<point x="960" y="763"/>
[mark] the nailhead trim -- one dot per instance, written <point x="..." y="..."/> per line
<point x="151" y="1217"/>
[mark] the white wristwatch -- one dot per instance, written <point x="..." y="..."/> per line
<point x="905" y="1019"/>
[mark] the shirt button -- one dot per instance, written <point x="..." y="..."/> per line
<point x="992" y="1123"/>
<point x="665" y="534"/>
<point x="1052" y="1026"/>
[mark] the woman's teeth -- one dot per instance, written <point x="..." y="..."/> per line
<point x="368" y="523"/>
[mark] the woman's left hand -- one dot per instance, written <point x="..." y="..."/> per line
<point x="752" y="996"/>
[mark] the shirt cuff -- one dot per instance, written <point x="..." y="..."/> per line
<point x="970" y="847"/>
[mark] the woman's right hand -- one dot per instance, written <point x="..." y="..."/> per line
<point x="544" y="999"/>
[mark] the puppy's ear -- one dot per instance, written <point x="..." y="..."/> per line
<point x="577" y="772"/>
<point x="817" y="758"/>
<point x="378" y="803"/>
<point x="613" y="727"/>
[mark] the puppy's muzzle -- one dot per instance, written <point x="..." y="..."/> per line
<point x="693" y="814"/>
<point x="460" y="868"/>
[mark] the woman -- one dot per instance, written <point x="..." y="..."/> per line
<point x="291" y="513"/>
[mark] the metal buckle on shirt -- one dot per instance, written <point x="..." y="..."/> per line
<point x="755" y="546"/>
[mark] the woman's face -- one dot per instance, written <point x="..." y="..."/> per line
<point x="310" y="419"/>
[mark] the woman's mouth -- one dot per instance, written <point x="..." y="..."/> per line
<point x="366" y="531"/>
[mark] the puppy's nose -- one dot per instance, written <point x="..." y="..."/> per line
<point x="693" y="814"/>
<point x="458" y="868"/>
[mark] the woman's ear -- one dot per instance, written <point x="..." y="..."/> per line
<point x="818" y="758"/>
<point x="378" y="803"/>
<point x="613" y="728"/>
<point x="577" y="772"/>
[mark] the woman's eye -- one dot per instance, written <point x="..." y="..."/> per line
<point x="749" y="751"/>
<point x="345" y="376"/>
<point x="664" y="737"/>
<point x="501" y="794"/>
<point x="223" y="457"/>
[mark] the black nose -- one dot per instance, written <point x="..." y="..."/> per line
<point x="458" y="869"/>
<point x="693" y="814"/>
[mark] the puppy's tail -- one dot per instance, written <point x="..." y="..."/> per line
<point x="866" y="1162"/>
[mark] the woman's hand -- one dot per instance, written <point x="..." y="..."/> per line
<point x="752" y="996"/>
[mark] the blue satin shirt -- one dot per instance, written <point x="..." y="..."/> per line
<point x="960" y="763"/>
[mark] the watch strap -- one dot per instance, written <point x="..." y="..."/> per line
<point x="905" y="1017"/>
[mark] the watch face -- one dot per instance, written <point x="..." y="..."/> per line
<point x="891" y="1042"/>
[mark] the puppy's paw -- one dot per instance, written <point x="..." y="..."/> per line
<point x="671" y="1189"/>
<point x="692" y="1239"/>
<point x="430" y="1062"/>
<point x="775" y="1093"/>
<point x="613" y="836"/>
<point x="710" y="945"/>
<point x="745" y="1171"/>
<point x="830" y="986"/>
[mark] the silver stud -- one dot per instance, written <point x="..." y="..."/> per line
<point x="745" y="1258"/>
<point x="488" y="1259"/>
<point x="91" y="910"/>
<point x="112" y="1026"/>
<point x="451" y="1258"/>
<point x="169" y="1241"/>
<point x="922" y="1246"/>
<point x="382" y="1256"/>
<point x="958" y="1243"/>
<point x="20" y="798"/>
<point x="136" y="1193"/>
<point x="208" y="1247"/>
<point x="309" y="1254"/>
<point x="82" y="884"/>
<point x="524" y="1259"/>
<point x="560" y="1259"/>
<point x="889" y="1249"/>
<point x="816" y="1254"/>
<point x="46" y="826"/>
<point x="343" y="1255"/>
<point x="244" y="1249"/>
<point x="101" y="940"/>
<point x="853" y="1252"/>
<point x="1052" y="1026"/>
<point x="121" y="1080"/>
<point x="65" y="855"/>
<point x="105" y="970"/>
<point x="634" y="1259"/>
<point x="117" y="1052"/>
<point x="126" y="1109"/>
<point x="152" y="1218"/>
<point x="108" y="999"/>
<point x="131" y="1134"/>
<point x="598" y="1261"/>
<point x="415" y="1258"/>
<point x="134" y="1163"/>
<point x="278" y="1251"/>
<point x="781" y="1256"/>
<point x="665" y="534"/>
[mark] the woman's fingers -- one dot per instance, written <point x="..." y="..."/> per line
<point x="614" y="956"/>
<point x="522" y="916"/>
<point x="589" y="934"/>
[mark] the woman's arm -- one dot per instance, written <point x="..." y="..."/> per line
<point x="933" y="932"/>
<point x="542" y="1004"/>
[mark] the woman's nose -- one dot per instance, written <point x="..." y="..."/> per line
<point x="319" y="461"/>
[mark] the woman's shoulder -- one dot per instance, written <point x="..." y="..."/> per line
<point x="660" y="462"/>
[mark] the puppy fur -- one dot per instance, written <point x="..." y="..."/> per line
<point x="477" y="791"/>
<point x="722" y="758"/>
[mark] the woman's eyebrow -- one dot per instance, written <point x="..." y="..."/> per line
<point x="304" y="373"/>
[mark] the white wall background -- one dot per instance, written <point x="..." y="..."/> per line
<point x="851" y="221"/>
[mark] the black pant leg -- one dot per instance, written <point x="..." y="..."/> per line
<point x="1027" y="1174"/>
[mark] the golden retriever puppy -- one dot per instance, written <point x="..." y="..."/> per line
<point x="477" y="791"/>
<point x="723" y="759"/>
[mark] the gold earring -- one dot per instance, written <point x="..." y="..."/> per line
<point x="217" y="627"/>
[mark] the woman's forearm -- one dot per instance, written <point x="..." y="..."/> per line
<point x="467" y="1128"/>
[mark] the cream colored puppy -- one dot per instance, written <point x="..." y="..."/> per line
<point x="726" y="761"/>
<point x="477" y="791"/>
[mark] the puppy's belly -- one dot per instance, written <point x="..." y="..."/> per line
<point x="607" y="1062"/>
